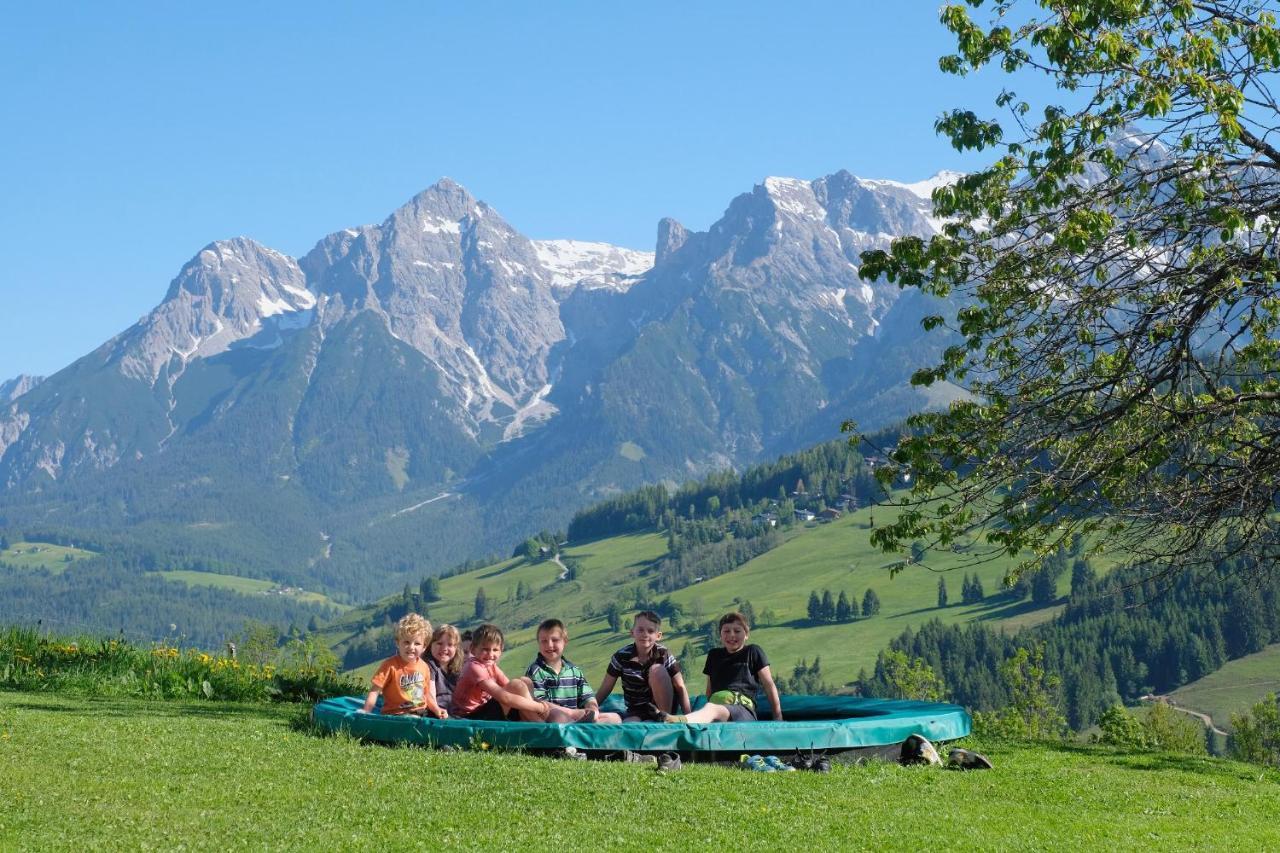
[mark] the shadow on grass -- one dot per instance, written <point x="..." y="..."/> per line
<point x="1007" y="610"/>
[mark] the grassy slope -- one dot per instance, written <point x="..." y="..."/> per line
<point x="1236" y="687"/>
<point x="42" y="555"/>
<point x="245" y="586"/>
<point x="128" y="774"/>
<point x="832" y="556"/>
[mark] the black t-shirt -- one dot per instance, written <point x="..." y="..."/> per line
<point x="735" y="671"/>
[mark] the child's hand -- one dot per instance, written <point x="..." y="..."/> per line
<point x="442" y="714"/>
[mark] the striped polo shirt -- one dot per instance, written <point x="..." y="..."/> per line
<point x="567" y="688"/>
<point x="635" y="675"/>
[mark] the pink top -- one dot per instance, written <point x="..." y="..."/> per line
<point x="468" y="695"/>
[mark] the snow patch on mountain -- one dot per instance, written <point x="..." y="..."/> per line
<point x="591" y="265"/>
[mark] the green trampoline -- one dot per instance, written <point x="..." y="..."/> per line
<point x="826" y="723"/>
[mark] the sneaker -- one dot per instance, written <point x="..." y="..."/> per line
<point x="778" y="764"/>
<point x="669" y="762"/>
<point x="916" y="749"/>
<point x="638" y="757"/>
<point x="821" y="764"/>
<point x="573" y="754"/>
<point x="967" y="759"/>
<point x="756" y="763"/>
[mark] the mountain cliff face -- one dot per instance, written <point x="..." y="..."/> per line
<point x="442" y="372"/>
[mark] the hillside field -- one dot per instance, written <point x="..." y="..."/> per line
<point x="836" y="556"/>
<point x="1239" y="685"/>
<point x="42" y="555"/>
<point x="110" y="774"/>
<point x="245" y="586"/>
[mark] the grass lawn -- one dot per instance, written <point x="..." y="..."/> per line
<point x="95" y="773"/>
<point x="245" y="586"/>
<point x="1239" y="685"/>
<point x="42" y="555"/>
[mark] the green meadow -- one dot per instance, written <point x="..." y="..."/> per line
<point x="836" y="556"/>
<point x="245" y="586"/>
<point x="42" y="555"/>
<point x="1236" y="687"/>
<point x="91" y="773"/>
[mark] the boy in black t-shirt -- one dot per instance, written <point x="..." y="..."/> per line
<point x="735" y="673"/>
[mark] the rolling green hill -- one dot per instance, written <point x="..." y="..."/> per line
<point x="1235" y="688"/>
<point x="246" y="586"/>
<point x="837" y="556"/>
<point x="41" y="555"/>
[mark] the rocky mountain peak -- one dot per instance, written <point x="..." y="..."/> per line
<point x="671" y="236"/>
<point x="221" y="296"/>
<point x="12" y="389"/>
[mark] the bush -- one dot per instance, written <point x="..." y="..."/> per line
<point x="1034" y="712"/>
<point x="1122" y="729"/>
<point x="1257" y="733"/>
<point x="1164" y="729"/>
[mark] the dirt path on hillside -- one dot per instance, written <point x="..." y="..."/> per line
<point x="1204" y="718"/>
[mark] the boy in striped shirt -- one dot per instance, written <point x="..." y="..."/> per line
<point x="553" y="679"/>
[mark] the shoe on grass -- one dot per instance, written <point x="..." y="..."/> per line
<point x="669" y="762"/>
<point x="967" y="759"/>
<point x="778" y="764"/>
<point x="638" y="757"/>
<point x="916" y="749"/>
<point x="573" y="754"/>
<point x="756" y="763"/>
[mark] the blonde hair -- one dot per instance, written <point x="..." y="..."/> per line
<point x="412" y="625"/>
<point x="454" y="666"/>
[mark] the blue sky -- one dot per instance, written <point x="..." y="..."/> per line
<point x="137" y="133"/>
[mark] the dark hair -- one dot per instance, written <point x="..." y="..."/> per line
<point x="651" y="616"/>
<point x="486" y="634"/>
<point x="549" y="625"/>
<point x="466" y="635"/>
<point x="735" y="616"/>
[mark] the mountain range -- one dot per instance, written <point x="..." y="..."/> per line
<point x="436" y="386"/>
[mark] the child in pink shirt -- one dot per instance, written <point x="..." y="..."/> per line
<point x="485" y="693"/>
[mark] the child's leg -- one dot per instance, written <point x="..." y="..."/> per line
<point x="661" y="687"/>
<point x="708" y="713"/>
<point x="608" y="717"/>
<point x="558" y="714"/>
<point x="519" y="687"/>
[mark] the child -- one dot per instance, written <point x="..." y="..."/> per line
<point x="485" y="693"/>
<point x="466" y="644"/>
<point x="404" y="680"/>
<point x="735" y="673"/>
<point x="556" y="680"/>
<point x="445" y="663"/>
<point x="651" y="678"/>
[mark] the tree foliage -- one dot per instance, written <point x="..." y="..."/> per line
<point x="1114" y="279"/>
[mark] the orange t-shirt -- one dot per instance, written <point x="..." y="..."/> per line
<point x="405" y="686"/>
<point x="468" y="694"/>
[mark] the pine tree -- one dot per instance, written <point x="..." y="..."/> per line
<point x="843" y="611"/>
<point x="482" y="604"/>
<point x="828" y="606"/>
<point x="815" y="606"/>
<point x="870" y="603"/>
<point x="942" y="592"/>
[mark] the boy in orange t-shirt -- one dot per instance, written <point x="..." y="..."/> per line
<point x="404" y="680"/>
